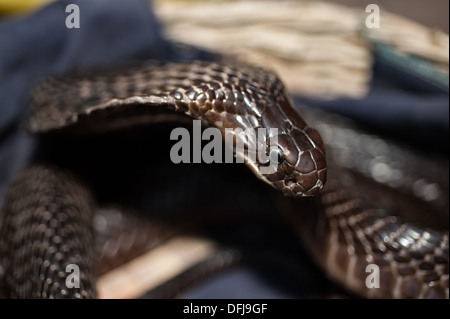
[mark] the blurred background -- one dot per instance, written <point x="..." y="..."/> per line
<point x="433" y="16"/>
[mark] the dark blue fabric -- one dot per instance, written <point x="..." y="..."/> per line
<point x="398" y="104"/>
<point x="246" y="282"/>
<point x="274" y="266"/>
<point x="41" y="45"/>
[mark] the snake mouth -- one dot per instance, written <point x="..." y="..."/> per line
<point x="301" y="185"/>
<point x="315" y="190"/>
<point x="294" y="188"/>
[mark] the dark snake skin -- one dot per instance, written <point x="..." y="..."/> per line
<point x="46" y="227"/>
<point x="345" y="233"/>
<point x="383" y="205"/>
<point x="224" y="96"/>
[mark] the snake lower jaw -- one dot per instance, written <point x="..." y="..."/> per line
<point x="296" y="190"/>
<point x="315" y="190"/>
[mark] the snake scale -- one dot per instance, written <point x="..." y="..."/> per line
<point x="347" y="223"/>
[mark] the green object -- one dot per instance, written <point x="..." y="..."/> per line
<point x="411" y="64"/>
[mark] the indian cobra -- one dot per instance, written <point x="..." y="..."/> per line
<point x="48" y="209"/>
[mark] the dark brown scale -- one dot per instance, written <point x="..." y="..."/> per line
<point x="194" y="107"/>
<point x="191" y="94"/>
<point x="242" y="82"/>
<point x="218" y="105"/>
<point x="394" y="247"/>
<point x="182" y="106"/>
<point x="204" y="88"/>
<point x="401" y="258"/>
<point x="176" y="95"/>
<point x="359" y="246"/>
<point x="307" y="181"/>
<point x="22" y="262"/>
<point x="220" y="95"/>
<point x="214" y="86"/>
<point x="440" y="259"/>
<point x="380" y="258"/>
<point x="201" y="97"/>
<point x="240" y="109"/>
<point x="217" y="78"/>
<point x="210" y="95"/>
<point x="228" y="87"/>
<point x="405" y="271"/>
<point x="230" y="107"/>
<point x="425" y="266"/>
<point x="238" y="97"/>
<point x="305" y="163"/>
<point x="432" y="276"/>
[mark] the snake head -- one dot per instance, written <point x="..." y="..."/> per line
<point x="300" y="158"/>
<point x="291" y="158"/>
<point x="298" y="151"/>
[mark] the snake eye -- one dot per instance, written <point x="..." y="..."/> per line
<point x="276" y="155"/>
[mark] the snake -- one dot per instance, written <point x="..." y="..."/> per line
<point x="48" y="209"/>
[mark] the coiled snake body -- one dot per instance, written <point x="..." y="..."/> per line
<point x="48" y="211"/>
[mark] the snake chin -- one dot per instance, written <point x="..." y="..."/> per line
<point x="293" y="188"/>
<point x="315" y="190"/>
